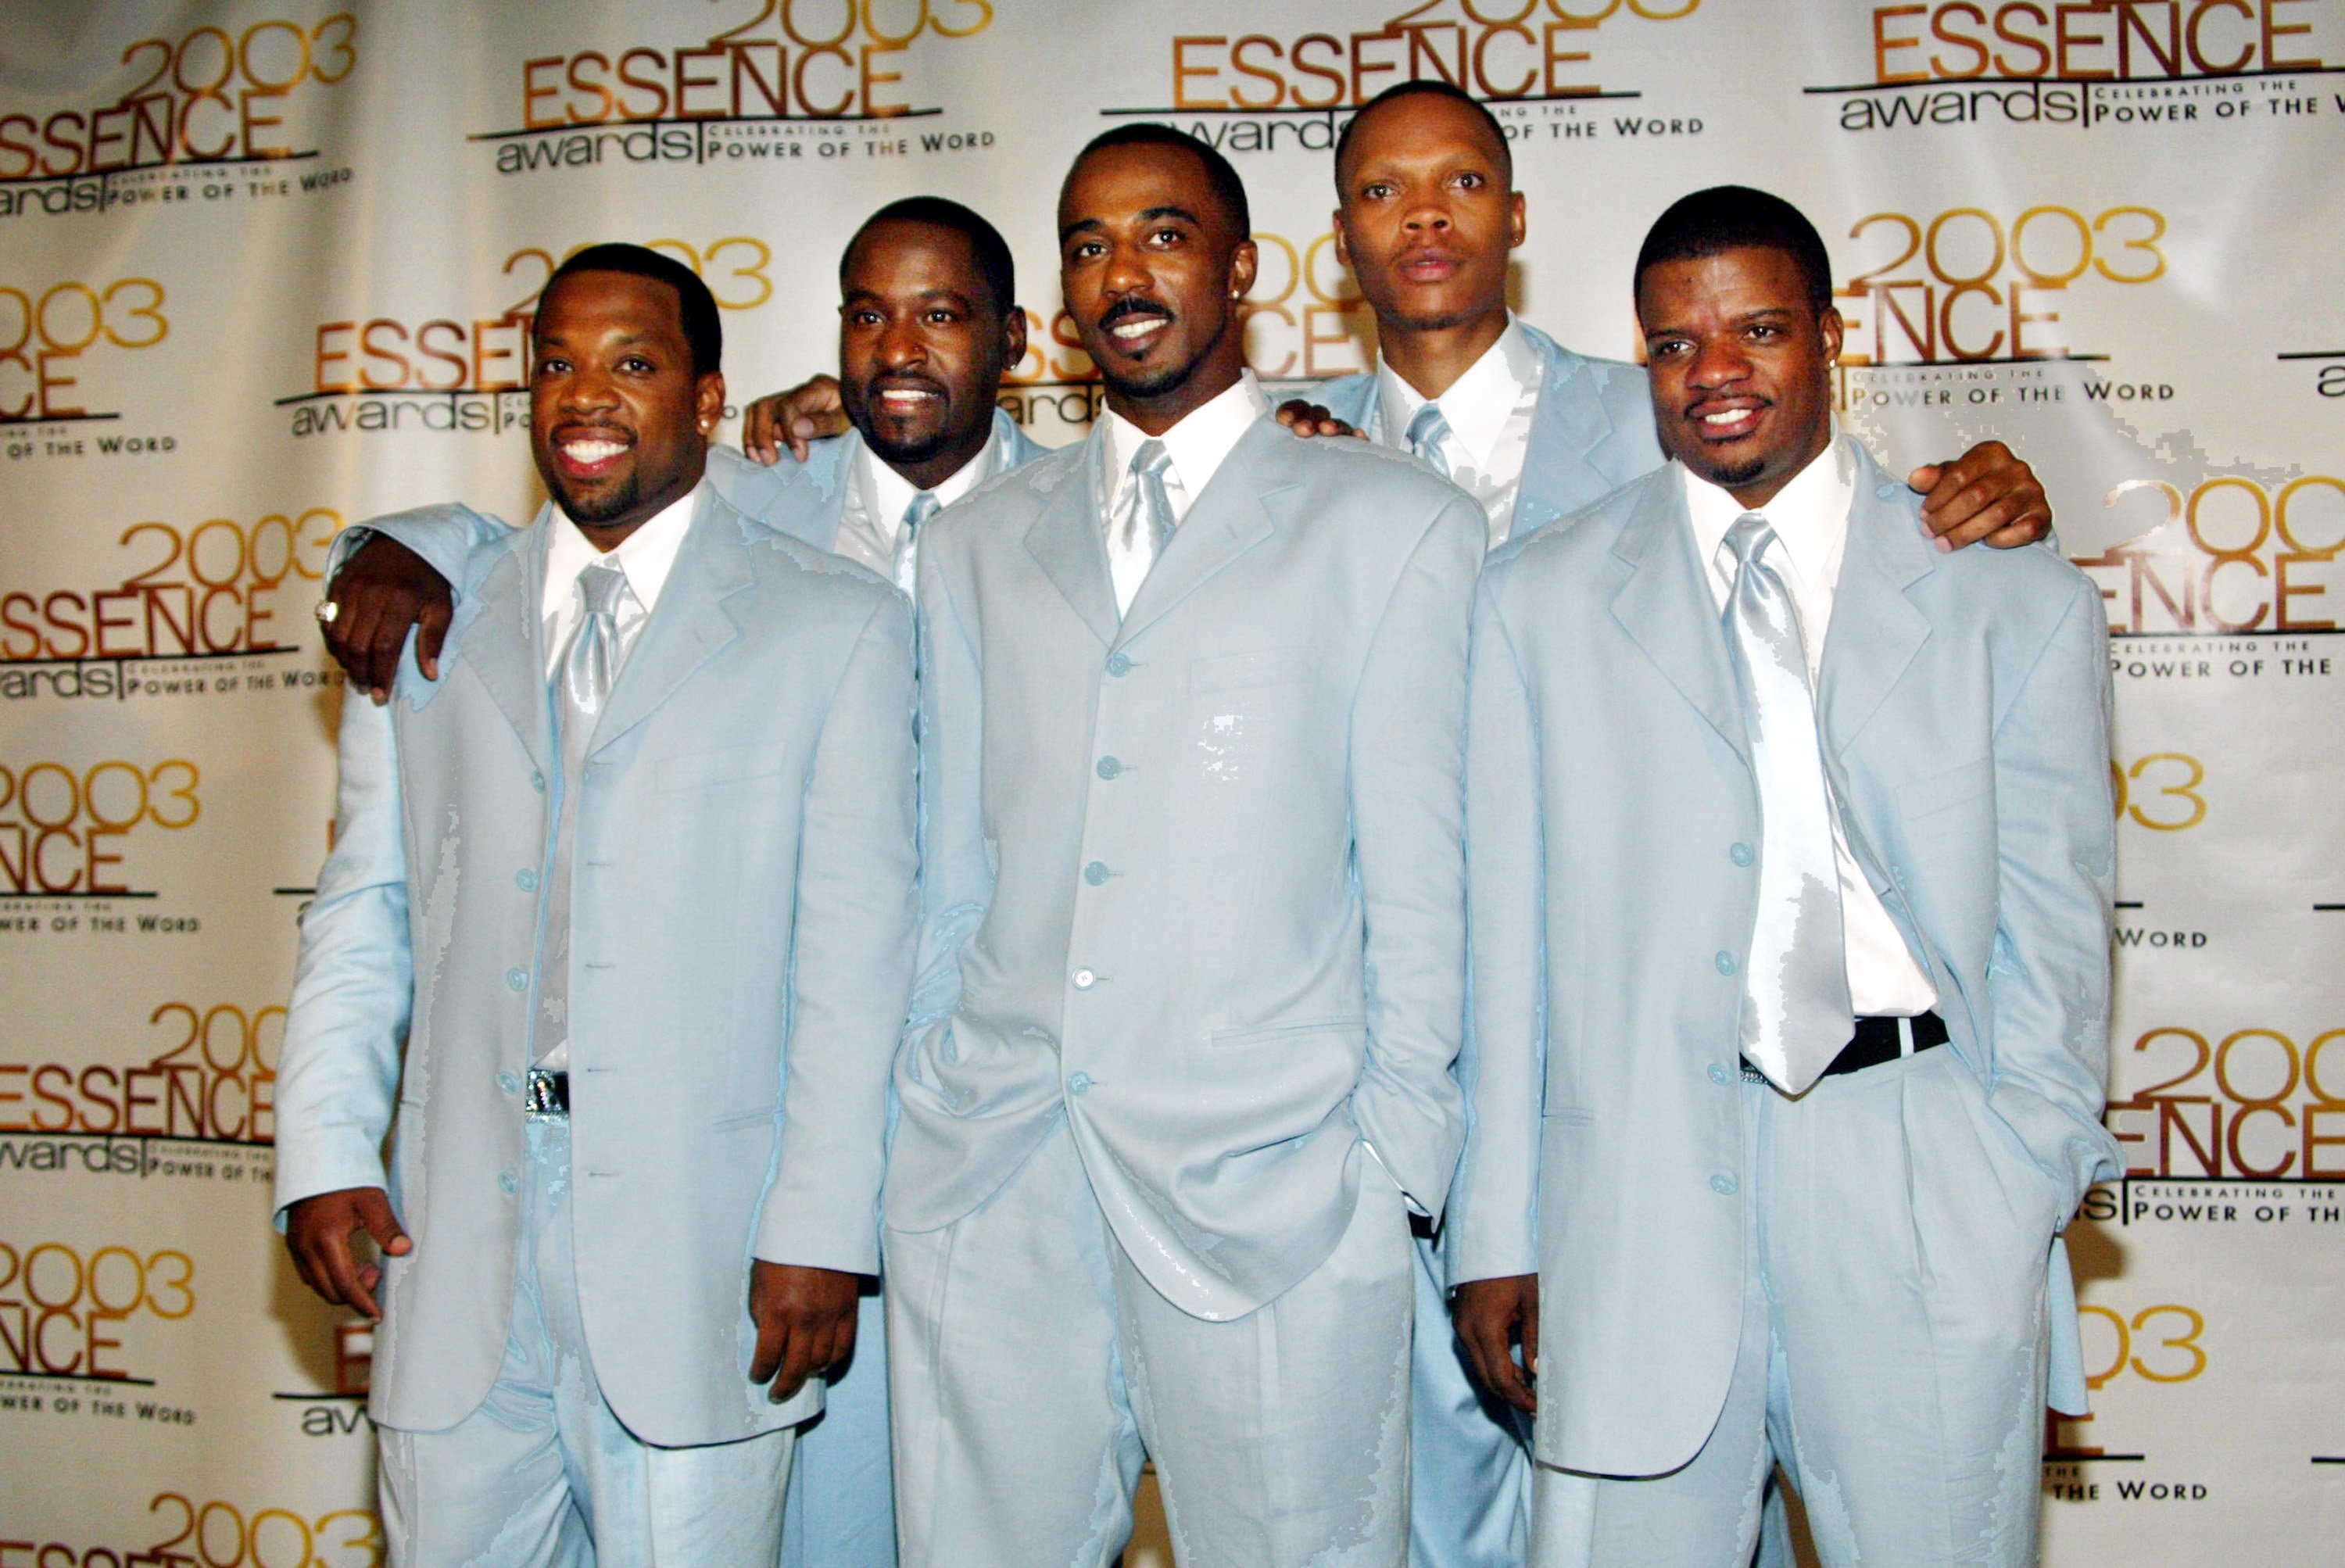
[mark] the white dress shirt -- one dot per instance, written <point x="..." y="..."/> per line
<point x="1197" y="446"/>
<point x="871" y="525"/>
<point x="1810" y="517"/>
<point x="1489" y="410"/>
<point x="646" y="555"/>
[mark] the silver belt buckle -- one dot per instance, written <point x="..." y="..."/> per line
<point x="548" y="1095"/>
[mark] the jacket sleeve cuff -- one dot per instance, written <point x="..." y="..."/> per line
<point x="326" y="1162"/>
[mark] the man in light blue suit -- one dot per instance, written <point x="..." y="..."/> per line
<point x="634" y="878"/>
<point x="1791" y="851"/>
<point x="928" y="320"/>
<point x="1191" y="943"/>
<point x="1429" y="223"/>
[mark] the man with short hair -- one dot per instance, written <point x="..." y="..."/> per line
<point x="1192" y="974"/>
<point x="1791" y="855"/>
<point x="929" y="320"/>
<point x="619" y="923"/>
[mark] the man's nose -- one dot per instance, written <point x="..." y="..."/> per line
<point x="1719" y="362"/>
<point x="901" y="345"/>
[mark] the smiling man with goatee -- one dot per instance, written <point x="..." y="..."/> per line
<point x="614" y="943"/>
<point x="1193" y="942"/>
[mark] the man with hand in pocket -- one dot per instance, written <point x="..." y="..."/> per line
<point x="1790" y="854"/>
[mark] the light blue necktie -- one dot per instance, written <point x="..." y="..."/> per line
<point x="1796" y="1013"/>
<point x="1427" y="432"/>
<point x="582" y="686"/>
<point x="908" y="558"/>
<point x="1150" y="521"/>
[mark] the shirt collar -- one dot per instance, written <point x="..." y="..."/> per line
<point x="1199" y="443"/>
<point x="646" y="555"/>
<point x="1478" y="403"/>
<point x="1810" y="515"/>
<point x="887" y="494"/>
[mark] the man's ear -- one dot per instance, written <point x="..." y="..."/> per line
<point x="1828" y="327"/>
<point x="1244" y="260"/>
<point x="1342" y="241"/>
<point x="708" y="401"/>
<point x="1013" y="338"/>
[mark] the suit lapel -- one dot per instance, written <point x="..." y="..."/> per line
<point x="1667" y="608"/>
<point x="1875" y="629"/>
<point x="691" y="624"/>
<point x="1223" y="522"/>
<point x="1069" y="541"/>
<point x="505" y="640"/>
<point x="1567" y="424"/>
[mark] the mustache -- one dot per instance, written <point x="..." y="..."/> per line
<point x="573" y="430"/>
<point x="1124" y="309"/>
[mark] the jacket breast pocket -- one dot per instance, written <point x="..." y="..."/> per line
<point x="1243" y="672"/>
<point x="728" y="765"/>
<point x="1929" y="803"/>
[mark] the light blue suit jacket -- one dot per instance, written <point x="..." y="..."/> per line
<point x="805" y="500"/>
<point x="743" y="915"/>
<point x="1963" y="701"/>
<point x="1191" y="879"/>
<point x="1591" y="431"/>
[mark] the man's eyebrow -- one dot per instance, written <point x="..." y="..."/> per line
<point x="1149" y="215"/>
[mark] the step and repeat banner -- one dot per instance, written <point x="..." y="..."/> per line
<point x="266" y="268"/>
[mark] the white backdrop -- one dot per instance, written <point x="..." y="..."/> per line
<point x="265" y="268"/>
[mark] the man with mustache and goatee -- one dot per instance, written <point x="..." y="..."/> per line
<point x="1792" y="850"/>
<point x="928" y="322"/>
<point x="1192" y="946"/>
<point x="633" y="878"/>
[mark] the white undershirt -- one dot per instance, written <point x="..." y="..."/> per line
<point x="1810" y="517"/>
<point x="1490" y="409"/>
<point x="1197" y="446"/>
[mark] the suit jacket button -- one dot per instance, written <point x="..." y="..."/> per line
<point x="1080" y="1083"/>
<point x="1109" y="767"/>
<point x="1725" y="962"/>
<point x="526" y="881"/>
<point x="1095" y="873"/>
<point x="1740" y="854"/>
<point x="509" y="1081"/>
<point x="510" y="1182"/>
<point x="1723" y="1185"/>
<point x="1719" y="1074"/>
<point x="517" y="979"/>
<point x="537" y="782"/>
<point x="1117" y="665"/>
<point x="1085" y="980"/>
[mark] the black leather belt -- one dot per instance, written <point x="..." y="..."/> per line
<point x="1874" y="1042"/>
<point x="549" y="1093"/>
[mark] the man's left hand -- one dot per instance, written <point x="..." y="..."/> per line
<point x="1986" y="494"/>
<point x="806" y="1322"/>
<point x="1309" y="419"/>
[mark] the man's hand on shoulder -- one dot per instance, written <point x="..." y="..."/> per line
<point x="317" y="1232"/>
<point x="1491" y="1317"/>
<point x="1987" y="493"/>
<point x="383" y="589"/>
<point x="1309" y="419"/>
<point x="806" y="1322"/>
<point x="807" y="413"/>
